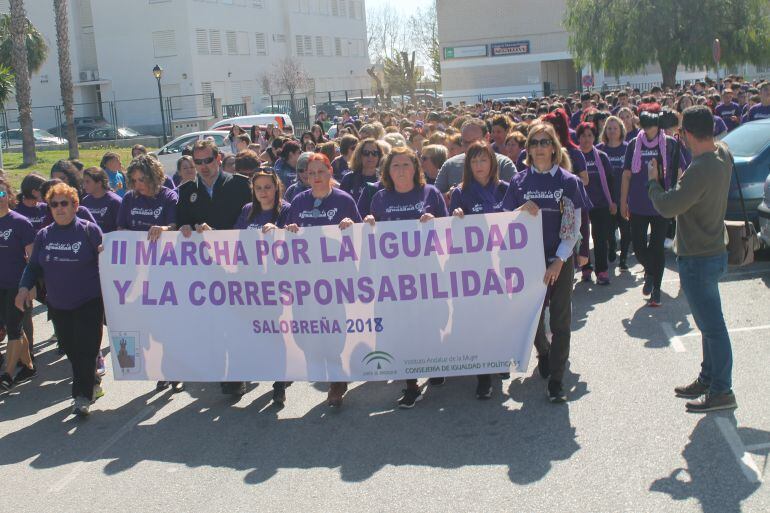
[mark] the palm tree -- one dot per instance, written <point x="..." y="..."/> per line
<point x="19" y="30"/>
<point x="65" y="74"/>
<point x="6" y="88"/>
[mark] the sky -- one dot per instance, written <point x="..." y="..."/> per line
<point x="405" y="6"/>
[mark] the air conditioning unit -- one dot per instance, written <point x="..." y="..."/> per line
<point x="94" y="74"/>
<point x="83" y="76"/>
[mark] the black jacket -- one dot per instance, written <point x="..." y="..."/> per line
<point x="231" y="193"/>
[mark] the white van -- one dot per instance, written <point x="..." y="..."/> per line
<point x="282" y="121"/>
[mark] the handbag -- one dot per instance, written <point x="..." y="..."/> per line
<point x="742" y="235"/>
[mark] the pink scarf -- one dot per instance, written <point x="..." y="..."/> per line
<point x="659" y="141"/>
<point x="603" y="175"/>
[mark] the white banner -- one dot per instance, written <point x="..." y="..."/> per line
<point x="399" y="300"/>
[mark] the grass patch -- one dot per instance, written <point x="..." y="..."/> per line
<point x="46" y="159"/>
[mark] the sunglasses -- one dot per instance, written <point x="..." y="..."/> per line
<point x="367" y="153"/>
<point x="544" y="143"/>
<point x="57" y="204"/>
<point x="206" y="161"/>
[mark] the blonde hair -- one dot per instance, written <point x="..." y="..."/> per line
<point x="620" y="123"/>
<point x="547" y="128"/>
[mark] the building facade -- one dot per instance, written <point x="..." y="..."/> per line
<point x="222" y="47"/>
<point x="494" y="48"/>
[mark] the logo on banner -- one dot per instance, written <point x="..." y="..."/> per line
<point x="126" y="347"/>
<point x="379" y="357"/>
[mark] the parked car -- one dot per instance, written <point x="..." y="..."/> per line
<point x="764" y="216"/>
<point x="334" y="109"/>
<point x="275" y="109"/>
<point x="283" y="121"/>
<point x="12" y="138"/>
<point x="110" y="134"/>
<point x="750" y="146"/>
<point x="170" y="153"/>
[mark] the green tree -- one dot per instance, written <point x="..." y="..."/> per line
<point x="400" y="74"/>
<point x="6" y="85"/>
<point x="37" y="49"/>
<point x="623" y="36"/>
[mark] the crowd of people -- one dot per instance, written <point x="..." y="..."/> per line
<point x="580" y="161"/>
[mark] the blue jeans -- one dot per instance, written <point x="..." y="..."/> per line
<point x="699" y="277"/>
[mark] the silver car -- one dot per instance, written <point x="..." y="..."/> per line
<point x="763" y="211"/>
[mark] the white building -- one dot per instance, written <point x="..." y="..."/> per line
<point x="204" y="46"/>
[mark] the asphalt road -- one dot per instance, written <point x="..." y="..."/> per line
<point x="623" y="442"/>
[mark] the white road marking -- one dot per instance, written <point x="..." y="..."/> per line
<point x="733" y="330"/>
<point x="758" y="447"/>
<point x="673" y="339"/>
<point x="97" y="453"/>
<point x="744" y="459"/>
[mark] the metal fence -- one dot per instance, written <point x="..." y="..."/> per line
<point x="233" y="110"/>
<point x="190" y="106"/>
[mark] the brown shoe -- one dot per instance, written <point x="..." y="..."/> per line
<point x="336" y="392"/>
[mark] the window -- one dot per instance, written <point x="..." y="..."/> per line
<point x="232" y="42"/>
<point x="327" y="46"/>
<point x="260" y="43"/>
<point x="202" y="41"/>
<point x="308" y="46"/>
<point x="215" y="42"/>
<point x="323" y="8"/>
<point x="206" y="90"/>
<point x="338" y="47"/>
<point x="258" y="3"/>
<point x="243" y="43"/>
<point x="300" y="44"/>
<point x="319" y="46"/>
<point x="279" y="38"/>
<point x="335" y="8"/>
<point x="343" y="10"/>
<point x="164" y="43"/>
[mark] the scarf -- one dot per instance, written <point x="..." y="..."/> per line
<point x="603" y="175"/>
<point x="485" y="194"/>
<point x="659" y="141"/>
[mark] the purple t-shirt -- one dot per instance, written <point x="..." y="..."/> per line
<point x="479" y="199"/>
<point x="138" y="213"/>
<point x="353" y="183"/>
<point x="69" y="258"/>
<point x="574" y="121"/>
<point x="294" y="189"/>
<point x="16" y="233"/>
<point x="719" y="126"/>
<point x="82" y="212"/>
<point x="617" y="157"/>
<point x="758" y="112"/>
<point x="638" y="201"/>
<point x="329" y="211"/>
<point x="630" y="136"/>
<point x="261" y="219"/>
<point x="104" y="209"/>
<point x="578" y="160"/>
<point x="594" y="189"/>
<point x="546" y="191"/>
<point x="396" y="206"/>
<point x="36" y="215"/>
<point x="364" y="202"/>
<point x="340" y="167"/>
<point x="727" y="111"/>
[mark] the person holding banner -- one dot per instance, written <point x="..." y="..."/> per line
<point x="557" y="195"/>
<point x="149" y="206"/>
<point x="480" y="192"/>
<point x="323" y="205"/>
<point x="405" y="195"/>
<point x="66" y="253"/>
<point x="16" y="236"/>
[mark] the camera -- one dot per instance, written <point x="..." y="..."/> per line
<point x="664" y="119"/>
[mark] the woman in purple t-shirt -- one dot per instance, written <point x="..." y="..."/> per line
<point x="100" y="200"/>
<point x="149" y="206"/>
<point x="614" y="145"/>
<point x="480" y="192"/>
<point x="558" y="196"/>
<point x="598" y="189"/>
<point x="323" y="205"/>
<point x="66" y="252"/>
<point x="406" y="195"/>
<point x="367" y="158"/>
<point x="16" y="236"/>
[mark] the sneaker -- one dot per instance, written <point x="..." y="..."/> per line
<point x="25" y="374"/>
<point x="279" y="393"/>
<point x="587" y="275"/>
<point x="654" y="298"/>
<point x="713" y="402"/>
<point x="177" y="386"/>
<point x="556" y="392"/>
<point x="336" y="393"/>
<point x="437" y="382"/>
<point x="410" y="397"/>
<point x="484" y="390"/>
<point x="101" y="370"/>
<point x="162" y="385"/>
<point x="623" y="265"/>
<point x="6" y="381"/>
<point x="692" y="391"/>
<point x="647" y="289"/>
<point x="603" y="278"/>
<point x="98" y="393"/>
<point x="81" y="407"/>
<point x="543" y="367"/>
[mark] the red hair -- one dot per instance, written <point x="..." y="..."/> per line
<point x="320" y="157"/>
<point x="585" y="125"/>
<point x="652" y="108"/>
<point x="560" y="122"/>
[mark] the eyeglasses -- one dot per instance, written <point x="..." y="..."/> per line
<point x="367" y="153"/>
<point x="206" y="161"/>
<point x="544" y="143"/>
<point x="57" y="204"/>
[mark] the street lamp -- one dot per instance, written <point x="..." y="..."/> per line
<point x="157" y="72"/>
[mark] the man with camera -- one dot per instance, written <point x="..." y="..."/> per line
<point x="699" y="202"/>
